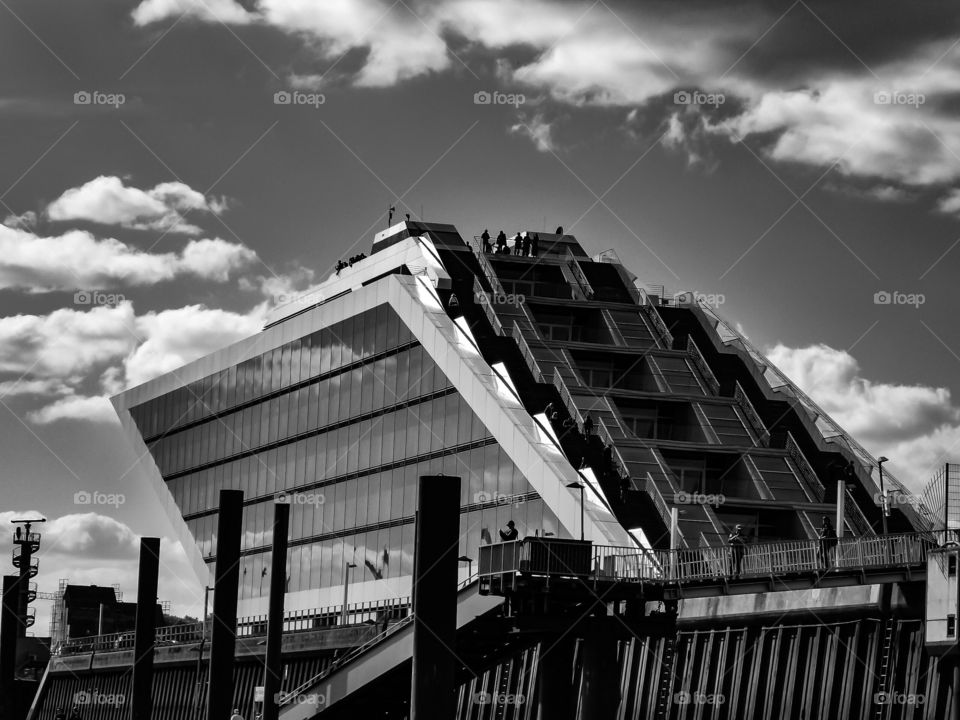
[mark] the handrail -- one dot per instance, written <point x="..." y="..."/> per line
<point x="247" y="626"/>
<point x="701" y="364"/>
<point x="855" y="517"/>
<point x="751" y="560"/>
<point x="666" y="337"/>
<point x="743" y="401"/>
<point x="807" y="476"/>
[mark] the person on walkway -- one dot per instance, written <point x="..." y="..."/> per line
<point x="828" y="543"/>
<point x="526" y="245"/>
<point x="587" y="426"/>
<point x="501" y="243"/>
<point x="535" y="245"/>
<point x="236" y="715"/>
<point x="559" y="230"/>
<point x="517" y="244"/>
<point x="510" y="533"/>
<point x="738" y="548"/>
<point x="485" y="237"/>
<point x="61" y="714"/>
<point x="75" y="715"/>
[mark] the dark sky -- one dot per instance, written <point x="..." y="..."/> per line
<point x="823" y="168"/>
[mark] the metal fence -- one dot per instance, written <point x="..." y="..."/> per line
<point x="631" y="564"/>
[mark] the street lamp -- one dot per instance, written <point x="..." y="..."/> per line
<point x="346" y="588"/>
<point x="469" y="561"/>
<point x="580" y="487"/>
<point x="883" y="494"/>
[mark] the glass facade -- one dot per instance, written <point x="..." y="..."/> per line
<point x="343" y="421"/>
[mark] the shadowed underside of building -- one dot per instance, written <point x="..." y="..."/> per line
<point x="570" y="401"/>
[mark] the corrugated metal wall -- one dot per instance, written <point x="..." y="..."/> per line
<point x="174" y="690"/>
<point x="816" y="671"/>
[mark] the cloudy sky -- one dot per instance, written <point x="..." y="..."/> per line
<point x="170" y="167"/>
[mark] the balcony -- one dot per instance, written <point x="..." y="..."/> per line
<point x="18" y="559"/>
<point x="30" y="540"/>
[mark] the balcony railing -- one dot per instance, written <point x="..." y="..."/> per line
<point x="701" y="364"/>
<point x="776" y="559"/>
<point x="740" y="397"/>
<point x="808" y="477"/>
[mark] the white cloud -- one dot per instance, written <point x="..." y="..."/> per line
<point x="94" y="549"/>
<point x="107" y="201"/>
<point x="176" y="337"/>
<point x="538" y="130"/>
<point x="25" y="220"/>
<point x="917" y="426"/>
<point x="76" y="260"/>
<point x="95" y="409"/>
<point x="950" y="203"/>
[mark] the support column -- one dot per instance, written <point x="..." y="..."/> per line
<point x="223" y="634"/>
<point x="273" y="667"/>
<point x="432" y="687"/>
<point x="841" y="499"/>
<point x="555" y="699"/>
<point x="599" y="676"/>
<point x="145" y="632"/>
<point x="9" y="632"/>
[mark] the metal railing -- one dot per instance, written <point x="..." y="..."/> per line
<point x="648" y="309"/>
<point x="702" y="367"/>
<point x="252" y="626"/>
<point x="753" y="417"/>
<point x="808" y="477"/>
<point x="723" y="562"/>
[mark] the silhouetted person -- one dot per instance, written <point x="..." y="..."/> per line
<point x="510" y="533"/>
<point x="75" y="715"/>
<point x="19" y="533"/>
<point x="588" y="426"/>
<point x="501" y="242"/>
<point x="535" y="245"/>
<point x="61" y="714"/>
<point x="517" y="244"/>
<point x="236" y="715"/>
<point x="559" y="229"/>
<point x="738" y="548"/>
<point x="526" y="245"/>
<point x="486" y="241"/>
<point x="828" y="542"/>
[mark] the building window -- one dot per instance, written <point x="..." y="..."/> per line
<point x="951" y="625"/>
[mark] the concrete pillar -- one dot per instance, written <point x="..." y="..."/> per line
<point x="432" y="687"/>
<point x="145" y="632"/>
<point x="273" y="666"/>
<point x="554" y="694"/>
<point x="223" y="634"/>
<point x="841" y="499"/>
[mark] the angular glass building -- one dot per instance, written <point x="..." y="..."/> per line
<point x="521" y="373"/>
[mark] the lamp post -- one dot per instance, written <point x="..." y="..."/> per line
<point x="883" y="493"/>
<point x="469" y="561"/>
<point x="580" y="487"/>
<point x="346" y="588"/>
